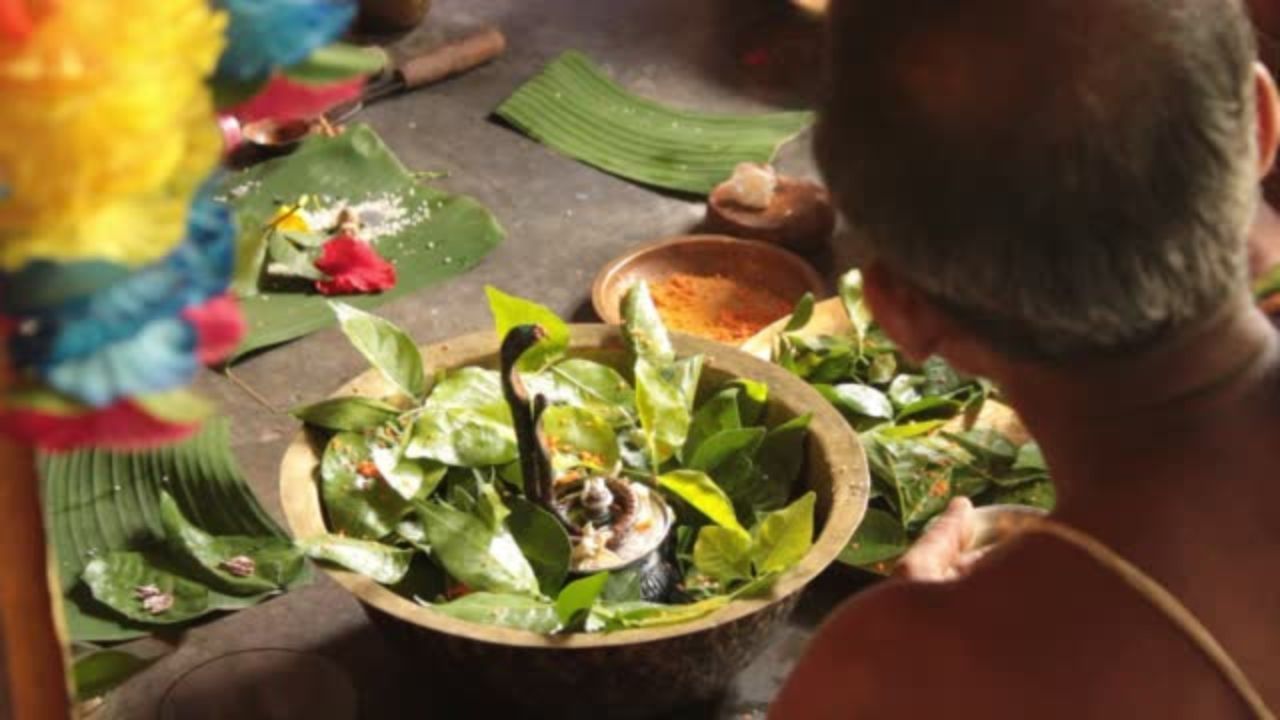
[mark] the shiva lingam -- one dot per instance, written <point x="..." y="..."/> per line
<point x="614" y="523"/>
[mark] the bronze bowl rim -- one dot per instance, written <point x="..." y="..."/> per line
<point x="611" y="273"/>
<point x="849" y="481"/>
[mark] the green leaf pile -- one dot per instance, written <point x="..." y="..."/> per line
<point x="903" y="413"/>
<point x="428" y="500"/>
<point x="576" y="109"/>
<point x="172" y="518"/>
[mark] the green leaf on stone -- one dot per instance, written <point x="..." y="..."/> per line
<point x="387" y="348"/>
<point x="346" y="414"/>
<point x="383" y="563"/>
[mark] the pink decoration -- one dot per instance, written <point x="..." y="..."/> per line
<point x="122" y="426"/>
<point x="219" y="326"/>
<point x="353" y="267"/>
<point x="284" y="99"/>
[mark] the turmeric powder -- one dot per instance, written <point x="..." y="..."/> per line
<point x="716" y="307"/>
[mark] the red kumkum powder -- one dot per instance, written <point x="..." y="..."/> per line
<point x="716" y="307"/>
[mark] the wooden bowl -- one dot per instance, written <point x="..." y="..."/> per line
<point x="801" y="217"/>
<point x="751" y="262"/>
<point x="631" y="673"/>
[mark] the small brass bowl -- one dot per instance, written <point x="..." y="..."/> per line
<point x="750" y="262"/>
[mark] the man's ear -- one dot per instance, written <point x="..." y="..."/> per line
<point x="904" y="313"/>
<point x="919" y="327"/>
<point x="1268" y="120"/>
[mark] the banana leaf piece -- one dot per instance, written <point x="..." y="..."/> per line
<point x="444" y="235"/>
<point x="98" y="502"/>
<point x="576" y="109"/>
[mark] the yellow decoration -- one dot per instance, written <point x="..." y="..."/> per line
<point x="134" y="230"/>
<point x="99" y="107"/>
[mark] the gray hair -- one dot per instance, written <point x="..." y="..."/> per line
<point x="1069" y="178"/>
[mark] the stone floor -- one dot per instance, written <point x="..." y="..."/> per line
<point x="312" y="654"/>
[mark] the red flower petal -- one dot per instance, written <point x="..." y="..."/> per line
<point x="16" y="22"/>
<point x="353" y="267"/>
<point x="285" y="99"/>
<point x="122" y="426"/>
<point x="219" y="327"/>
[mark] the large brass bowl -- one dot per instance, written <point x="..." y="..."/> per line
<point x="633" y="673"/>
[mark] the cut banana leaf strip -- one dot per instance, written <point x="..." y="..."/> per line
<point x="576" y="109"/>
<point x="98" y="503"/>
<point x="443" y="235"/>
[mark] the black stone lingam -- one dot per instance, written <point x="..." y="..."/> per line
<point x="614" y="524"/>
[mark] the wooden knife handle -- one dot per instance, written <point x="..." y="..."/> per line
<point x="453" y="58"/>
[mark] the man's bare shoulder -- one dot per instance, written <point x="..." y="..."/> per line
<point x="1006" y="641"/>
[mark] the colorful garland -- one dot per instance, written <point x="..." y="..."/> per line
<point x="115" y="258"/>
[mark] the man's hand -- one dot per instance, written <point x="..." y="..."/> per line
<point x="943" y="553"/>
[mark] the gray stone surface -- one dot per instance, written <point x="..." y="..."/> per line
<point x="564" y="220"/>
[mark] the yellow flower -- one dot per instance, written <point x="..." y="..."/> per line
<point x="100" y="105"/>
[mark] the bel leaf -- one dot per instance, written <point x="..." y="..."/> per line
<point x="851" y="295"/>
<point x="358" y="501"/>
<point x="780" y="459"/>
<point x="118" y="580"/>
<point x="726" y="445"/>
<point x="544" y="542"/>
<point x="385" y="346"/>
<point x="720" y="412"/>
<point x="880" y="538"/>
<point x="274" y="562"/>
<point x="383" y="563"/>
<point x="484" y="558"/>
<point x="784" y="537"/>
<point x="641" y="614"/>
<point x="643" y="327"/>
<point x="663" y="408"/>
<point x="801" y="315"/>
<point x="510" y="312"/>
<point x="578" y="438"/>
<point x="723" y="554"/>
<point x="701" y="492"/>
<point x="578" y="597"/>
<point x="588" y="385"/>
<point x="859" y="401"/>
<point x="347" y="413"/>
<point x="519" y="612"/>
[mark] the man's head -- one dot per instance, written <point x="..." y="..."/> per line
<point x="1064" y="179"/>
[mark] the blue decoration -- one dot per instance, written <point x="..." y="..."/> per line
<point x="264" y="35"/>
<point x="110" y="325"/>
<point x="159" y="357"/>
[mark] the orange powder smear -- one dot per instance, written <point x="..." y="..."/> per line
<point x="716" y="307"/>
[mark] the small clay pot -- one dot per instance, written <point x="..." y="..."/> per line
<point x="799" y="217"/>
<point x="383" y="16"/>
